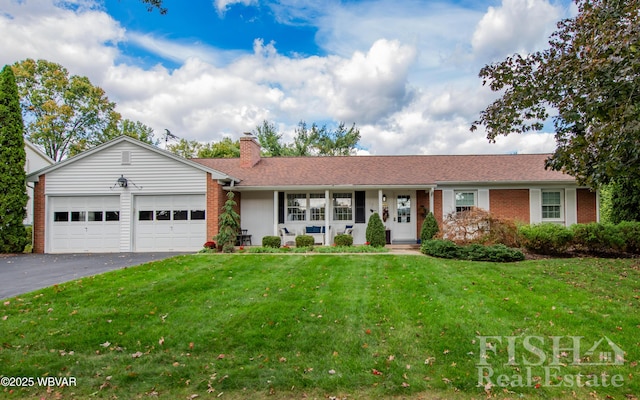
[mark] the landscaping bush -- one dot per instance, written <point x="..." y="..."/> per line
<point x="598" y="238"/>
<point x="630" y="232"/>
<point x="375" y="233"/>
<point x="343" y="240"/>
<point x="479" y="226"/>
<point x="472" y="252"/>
<point x="429" y="228"/>
<point x="28" y="248"/>
<point x="546" y="238"/>
<point x="441" y="248"/>
<point x="271" y="241"/>
<point x="304" y="241"/>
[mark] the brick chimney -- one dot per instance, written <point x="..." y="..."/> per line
<point x="249" y="151"/>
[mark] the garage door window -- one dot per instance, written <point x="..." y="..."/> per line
<point x="180" y="215"/>
<point x="112" y="216"/>
<point x="163" y="215"/>
<point x="145" y="216"/>
<point x="95" y="216"/>
<point x="60" y="216"/>
<point x="197" y="214"/>
<point x="78" y="216"/>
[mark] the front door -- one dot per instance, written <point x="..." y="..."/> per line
<point x="401" y="218"/>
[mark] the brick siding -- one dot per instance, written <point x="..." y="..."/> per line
<point x="586" y="200"/>
<point x="39" y="216"/>
<point x="510" y="204"/>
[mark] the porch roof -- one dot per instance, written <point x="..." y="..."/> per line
<point x="410" y="170"/>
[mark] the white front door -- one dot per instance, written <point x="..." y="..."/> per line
<point x="84" y="224"/>
<point x="170" y="223"/>
<point x="401" y="220"/>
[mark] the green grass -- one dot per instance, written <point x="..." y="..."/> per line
<point x="281" y="326"/>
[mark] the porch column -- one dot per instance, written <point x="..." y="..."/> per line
<point x="431" y="204"/>
<point x="327" y="218"/>
<point x="275" y="213"/>
<point x="380" y="202"/>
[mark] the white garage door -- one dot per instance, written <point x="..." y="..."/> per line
<point x="84" y="224"/>
<point x="170" y="223"/>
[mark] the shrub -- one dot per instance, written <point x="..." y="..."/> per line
<point x="304" y="241"/>
<point x="546" y="238"/>
<point x="28" y="248"/>
<point x="479" y="226"/>
<point x="630" y="232"/>
<point x="343" y="240"/>
<point x="375" y="233"/>
<point x="429" y="228"/>
<point x="595" y="237"/>
<point x="472" y="252"/>
<point x="441" y="248"/>
<point x="271" y="241"/>
<point x="210" y="245"/>
<point x="228" y="226"/>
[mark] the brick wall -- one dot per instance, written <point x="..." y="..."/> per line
<point x="510" y="203"/>
<point x="437" y="206"/>
<point x="422" y="199"/>
<point x="249" y="152"/>
<point x="39" y="216"/>
<point x="587" y="211"/>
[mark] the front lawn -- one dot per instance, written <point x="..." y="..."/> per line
<point x="350" y="326"/>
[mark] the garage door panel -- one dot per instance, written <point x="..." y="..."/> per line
<point x="174" y="226"/>
<point x="72" y="230"/>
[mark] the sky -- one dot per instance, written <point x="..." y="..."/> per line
<point x="404" y="71"/>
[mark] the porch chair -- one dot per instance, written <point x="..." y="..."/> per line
<point x="287" y="236"/>
<point x="348" y="230"/>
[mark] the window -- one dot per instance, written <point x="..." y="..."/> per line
<point x="60" y="216"/>
<point x="552" y="205"/>
<point x="145" y="215"/>
<point x="180" y="215"/>
<point x="112" y="216"/>
<point x="78" y="216"/>
<point x="163" y="215"/>
<point x="316" y="206"/>
<point x="296" y="207"/>
<point x="197" y="214"/>
<point x="403" y="208"/>
<point x="342" y="207"/>
<point x="95" y="216"/>
<point x="465" y="200"/>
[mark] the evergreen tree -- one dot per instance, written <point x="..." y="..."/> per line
<point x="229" y="225"/>
<point x="13" y="190"/>
<point x="375" y="233"/>
<point x="429" y="228"/>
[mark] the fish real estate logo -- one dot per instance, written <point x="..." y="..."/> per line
<point x="547" y="361"/>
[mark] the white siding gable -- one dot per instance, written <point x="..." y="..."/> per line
<point x="152" y="172"/>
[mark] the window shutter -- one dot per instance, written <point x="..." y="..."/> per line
<point x="360" y="207"/>
<point x="281" y="207"/>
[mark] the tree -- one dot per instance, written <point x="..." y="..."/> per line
<point x="341" y="142"/>
<point x="226" y="148"/>
<point x="155" y="5"/>
<point x="185" y="148"/>
<point x="61" y="110"/>
<point x="126" y="127"/>
<point x="269" y="139"/>
<point x="13" y="196"/>
<point x="429" y="228"/>
<point x="228" y="226"/>
<point x="590" y="77"/>
<point x="375" y="233"/>
<point x="305" y="139"/>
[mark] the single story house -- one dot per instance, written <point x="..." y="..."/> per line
<point x="128" y="196"/>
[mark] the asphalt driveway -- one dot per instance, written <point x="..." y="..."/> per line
<point x="22" y="273"/>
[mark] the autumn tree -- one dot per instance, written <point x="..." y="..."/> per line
<point x="61" y="110"/>
<point x="588" y="82"/>
<point x="13" y="196"/>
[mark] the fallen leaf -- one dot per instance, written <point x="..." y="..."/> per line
<point x="106" y="344"/>
<point x="161" y="341"/>
<point x="190" y="345"/>
<point x="332" y="371"/>
<point x="376" y="372"/>
<point x="137" y="354"/>
<point x="405" y="384"/>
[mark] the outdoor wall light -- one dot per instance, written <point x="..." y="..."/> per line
<point x="122" y="181"/>
<point x="384" y="198"/>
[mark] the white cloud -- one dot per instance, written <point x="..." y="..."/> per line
<point x="223" y="5"/>
<point x="389" y="70"/>
<point x="515" y="26"/>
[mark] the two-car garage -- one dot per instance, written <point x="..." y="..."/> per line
<point x="125" y="196"/>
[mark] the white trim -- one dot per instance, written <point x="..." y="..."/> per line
<point x="571" y="206"/>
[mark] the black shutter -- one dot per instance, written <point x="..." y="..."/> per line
<point x="281" y="207"/>
<point x="360" y="208"/>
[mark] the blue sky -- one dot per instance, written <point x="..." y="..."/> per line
<point x="404" y="71"/>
